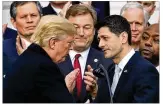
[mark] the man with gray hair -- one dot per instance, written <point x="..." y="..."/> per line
<point x="138" y="18"/>
<point x="25" y="16"/>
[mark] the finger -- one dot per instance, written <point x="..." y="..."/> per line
<point x="88" y="83"/>
<point x="90" y="74"/>
<point x="4" y="26"/>
<point x="73" y="74"/>
<point x="88" y="78"/>
<point x="89" y="68"/>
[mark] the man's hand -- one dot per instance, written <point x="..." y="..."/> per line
<point x="20" y="47"/>
<point x="91" y="82"/>
<point x="70" y="80"/>
<point x="4" y="26"/>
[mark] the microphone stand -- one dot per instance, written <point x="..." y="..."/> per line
<point x="108" y="81"/>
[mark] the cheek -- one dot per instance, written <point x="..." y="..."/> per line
<point x="141" y="29"/>
<point x="89" y="32"/>
<point x="37" y="20"/>
<point x="66" y="49"/>
<point x="156" y="49"/>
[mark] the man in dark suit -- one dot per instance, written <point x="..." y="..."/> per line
<point x="134" y="79"/>
<point x="54" y="7"/>
<point x="149" y="44"/>
<point x="25" y="16"/>
<point x="83" y="18"/>
<point x="35" y="76"/>
<point x="8" y="32"/>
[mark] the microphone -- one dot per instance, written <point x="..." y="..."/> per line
<point x="98" y="72"/>
<point x="101" y="72"/>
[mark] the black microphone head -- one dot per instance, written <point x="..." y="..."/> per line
<point x="98" y="72"/>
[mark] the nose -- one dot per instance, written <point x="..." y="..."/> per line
<point x="133" y="26"/>
<point x="29" y="19"/>
<point x="148" y="42"/>
<point x="80" y="32"/>
<point x="101" y="44"/>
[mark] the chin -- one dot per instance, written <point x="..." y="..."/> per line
<point x="146" y="57"/>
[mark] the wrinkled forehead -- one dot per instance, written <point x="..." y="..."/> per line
<point x="153" y="29"/>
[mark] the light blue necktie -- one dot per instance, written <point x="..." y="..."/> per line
<point x="115" y="78"/>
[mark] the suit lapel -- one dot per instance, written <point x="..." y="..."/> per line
<point x="66" y="66"/>
<point x="90" y="61"/>
<point x="51" y="10"/>
<point x="125" y="73"/>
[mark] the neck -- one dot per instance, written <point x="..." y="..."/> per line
<point x="79" y="50"/>
<point x="26" y="38"/>
<point x="155" y="61"/>
<point x="135" y="46"/>
<point x="122" y="54"/>
<point x="60" y="6"/>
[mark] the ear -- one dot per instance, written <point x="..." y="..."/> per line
<point x="13" y="22"/>
<point x="124" y="37"/>
<point x="52" y="43"/>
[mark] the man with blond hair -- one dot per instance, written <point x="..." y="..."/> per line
<point x="35" y="77"/>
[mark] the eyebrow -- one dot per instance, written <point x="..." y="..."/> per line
<point x="155" y="34"/>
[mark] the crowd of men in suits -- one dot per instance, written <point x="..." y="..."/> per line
<point x="53" y="55"/>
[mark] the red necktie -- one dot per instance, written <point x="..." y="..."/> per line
<point x="79" y="77"/>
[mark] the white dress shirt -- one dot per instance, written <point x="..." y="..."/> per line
<point x="27" y="43"/>
<point x="125" y="60"/>
<point x="57" y="10"/>
<point x="119" y="68"/>
<point x="82" y="59"/>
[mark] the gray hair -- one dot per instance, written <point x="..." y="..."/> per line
<point x="135" y="5"/>
<point x="15" y="4"/>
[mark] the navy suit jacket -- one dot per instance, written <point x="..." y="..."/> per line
<point x="9" y="49"/>
<point x="35" y="78"/>
<point x="9" y="33"/>
<point x="138" y="83"/>
<point x="66" y="67"/>
<point x="48" y="10"/>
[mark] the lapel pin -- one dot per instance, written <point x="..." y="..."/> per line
<point x="125" y="71"/>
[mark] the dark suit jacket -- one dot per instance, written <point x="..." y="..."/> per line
<point x="66" y="67"/>
<point x="9" y="33"/>
<point x="9" y="49"/>
<point x="48" y="10"/>
<point x="35" y="79"/>
<point x="138" y="83"/>
<point x="6" y="65"/>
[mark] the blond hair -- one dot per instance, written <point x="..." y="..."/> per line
<point x="52" y="26"/>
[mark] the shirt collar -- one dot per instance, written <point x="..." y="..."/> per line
<point x="83" y="54"/>
<point x="125" y="60"/>
<point x="57" y="10"/>
<point x="27" y="43"/>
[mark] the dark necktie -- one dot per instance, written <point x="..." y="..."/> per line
<point x="79" y="77"/>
